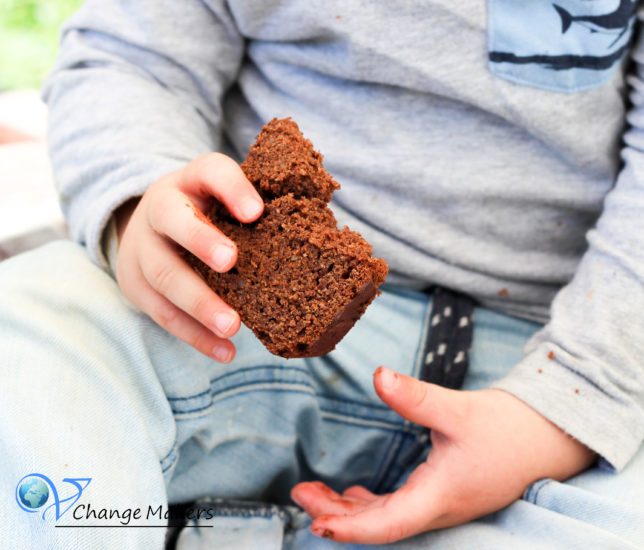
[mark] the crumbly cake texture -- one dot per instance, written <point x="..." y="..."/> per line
<point x="299" y="283"/>
<point x="282" y="161"/>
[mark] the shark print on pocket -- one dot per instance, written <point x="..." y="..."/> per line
<point x="615" y="22"/>
<point x="564" y="46"/>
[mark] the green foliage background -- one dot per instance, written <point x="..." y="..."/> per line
<point x="29" y="39"/>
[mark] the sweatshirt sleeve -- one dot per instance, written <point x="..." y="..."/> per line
<point x="136" y="93"/>
<point x="584" y="370"/>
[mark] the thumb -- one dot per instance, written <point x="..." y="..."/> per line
<point x="429" y="405"/>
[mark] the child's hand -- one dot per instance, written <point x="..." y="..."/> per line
<point x="150" y="269"/>
<point x="488" y="446"/>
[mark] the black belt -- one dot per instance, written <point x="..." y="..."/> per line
<point x="447" y="348"/>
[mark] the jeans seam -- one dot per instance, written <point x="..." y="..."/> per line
<point x="532" y="494"/>
<point x="233" y="373"/>
<point x="247" y="369"/>
<point x="214" y="394"/>
<point x="361" y="417"/>
<point x="392" y="426"/>
<point x="188" y="397"/>
<point x="170" y="457"/>
<point x="353" y="401"/>
<point x="396" y="428"/>
<point x="213" y="401"/>
<point x="341" y="417"/>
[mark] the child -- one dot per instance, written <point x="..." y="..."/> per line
<point x="470" y="164"/>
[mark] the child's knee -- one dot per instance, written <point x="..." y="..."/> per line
<point x="56" y="279"/>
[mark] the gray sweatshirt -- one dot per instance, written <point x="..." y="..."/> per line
<point x="477" y="145"/>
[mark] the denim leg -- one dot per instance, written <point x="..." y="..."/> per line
<point x="94" y="389"/>
<point x="79" y="399"/>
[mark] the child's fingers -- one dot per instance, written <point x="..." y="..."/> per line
<point x="426" y="404"/>
<point x="362" y="517"/>
<point x="390" y="518"/>
<point x="359" y="492"/>
<point x="176" y="321"/>
<point x="171" y="277"/>
<point x="316" y="499"/>
<point x="173" y="214"/>
<point x="220" y="176"/>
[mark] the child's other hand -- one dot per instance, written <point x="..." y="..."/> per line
<point x="487" y="448"/>
<point x="150" y="269"/>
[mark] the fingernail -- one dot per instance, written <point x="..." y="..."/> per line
<point x="222" y="256"/>
<point x="250" y="208"/>
<point x="388" y="379"/>
<point x="222" y="354"/>
<point x="223" y="322"/>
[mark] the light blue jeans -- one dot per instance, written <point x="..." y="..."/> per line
<point x="117" y="419"/>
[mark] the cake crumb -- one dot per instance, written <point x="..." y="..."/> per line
<point x="503" y="292"/>
<point x="576" y="390"/>
<point x="198" y="213"/>
<point x="540" y="371"/>
<point x="551" y="355"/>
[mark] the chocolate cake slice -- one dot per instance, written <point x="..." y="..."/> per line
<point x="299" y="283"/>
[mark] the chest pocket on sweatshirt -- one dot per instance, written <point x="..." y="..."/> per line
<point x="560" y="45"/>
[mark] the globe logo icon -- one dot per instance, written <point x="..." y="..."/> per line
<point x="33" y="492"/>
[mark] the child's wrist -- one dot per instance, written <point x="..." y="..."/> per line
<point x="113" y="232"/>
<point x="122" y="216"/>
